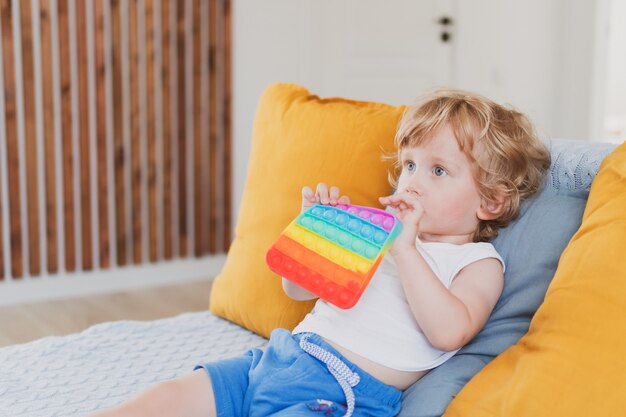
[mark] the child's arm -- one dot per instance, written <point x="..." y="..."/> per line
<point x="324" y="196"/>
<point x="450" y="317"/>
<point x="188" y="396"/>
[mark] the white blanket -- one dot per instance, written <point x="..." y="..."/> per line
<point x="107" y="363"/>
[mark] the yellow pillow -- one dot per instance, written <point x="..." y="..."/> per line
<point x="572" y="361"/>
<point x="298" y="139"/>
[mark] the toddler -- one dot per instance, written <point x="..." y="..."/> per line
<point x="464" y="165"/>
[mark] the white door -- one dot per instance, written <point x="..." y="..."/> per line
<point x="387" y="51"/>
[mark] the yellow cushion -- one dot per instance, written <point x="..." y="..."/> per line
<point x="572" y="361"/>
<point x="298" y="139"/>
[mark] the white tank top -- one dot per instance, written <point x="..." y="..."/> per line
<point x="381" y="326"/>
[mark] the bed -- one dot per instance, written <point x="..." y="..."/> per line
<point x="105" y="364"/>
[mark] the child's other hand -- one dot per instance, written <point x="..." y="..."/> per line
<point x="407" y="206"/>
<point x="322" y="195"/>
<point x="409" y="211"/>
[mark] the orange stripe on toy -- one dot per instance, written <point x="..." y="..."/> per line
<point x="317" y="263"/>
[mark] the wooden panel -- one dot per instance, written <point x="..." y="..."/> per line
<point x="213" y="115"/>
<point x="182" y="163"/>
<point x="66" y="137"/>
<point x="83" y="129"/>
<point x="48" y="136"/>
<point x="150" y="128"/>
<point x="168" y="199"/>
<point x="150" y="196"/>
<point x="10" y="109"/>
<point x="226" y="122"/>
<point x="200" y="188"/>
<point x="30" y="140"/>
<point x="101" y="134"/>
<point x="201" y="57"/>
<point x="182" y="166"/>
<point x="119" y="152"/>
<point x="220" y="126"/>
<point x="135" y="129"/>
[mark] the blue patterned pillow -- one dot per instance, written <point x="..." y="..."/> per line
<point x="530" y="247"/>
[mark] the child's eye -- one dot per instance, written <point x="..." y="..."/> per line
<point x="410" y="166"/>
<point x="439" y="171"/>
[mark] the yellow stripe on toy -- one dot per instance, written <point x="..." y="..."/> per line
<point x="328" y="249"/>
<point x="333" y="251"/>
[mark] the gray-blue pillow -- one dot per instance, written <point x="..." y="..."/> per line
<point x="531" y="247"/>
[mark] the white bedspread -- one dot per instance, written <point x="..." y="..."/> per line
<point x="105" y="364"/>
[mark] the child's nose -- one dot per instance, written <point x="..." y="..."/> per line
<point x="414" y="185"/>
<point x="413" y="190"/>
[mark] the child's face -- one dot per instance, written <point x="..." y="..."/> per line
<point x="440" y="174"/>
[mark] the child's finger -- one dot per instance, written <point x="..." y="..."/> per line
<point x="389" y="202"/>
<point x="344" y="199"/>
<point x="391" y="199"/>
<point x="384" y="200"/>
<point x="409" y="199"/>
<point x="333" y="195"/>
<point x="321" y="193"/>
<point x="308" y="194"/>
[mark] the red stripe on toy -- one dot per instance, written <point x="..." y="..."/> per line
<point x="310" y="271"/>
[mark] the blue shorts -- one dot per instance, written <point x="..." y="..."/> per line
<point x="284" y="380"/>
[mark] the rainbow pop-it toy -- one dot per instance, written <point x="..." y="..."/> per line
<point x="333" y="251"/>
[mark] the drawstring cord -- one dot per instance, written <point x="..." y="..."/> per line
<point x="344" y="376"/>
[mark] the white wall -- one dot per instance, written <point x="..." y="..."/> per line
<point x="615" y="122"/>
<point x="581" y="75"/>
<point x="539" y="55"/>
<point x="264" y="51"/>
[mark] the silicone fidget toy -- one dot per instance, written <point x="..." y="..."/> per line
<point x="333" y="251"/>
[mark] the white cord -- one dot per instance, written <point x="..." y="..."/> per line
<point x="344" y="376"/>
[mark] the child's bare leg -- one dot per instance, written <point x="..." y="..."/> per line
<point x="188" y="396"/>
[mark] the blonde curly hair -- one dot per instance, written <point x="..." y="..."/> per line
<point x="509" y="159"/>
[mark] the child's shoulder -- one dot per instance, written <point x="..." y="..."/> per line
<point x="463" y="254"/>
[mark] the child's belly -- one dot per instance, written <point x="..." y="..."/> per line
<point x="398" y="379"/>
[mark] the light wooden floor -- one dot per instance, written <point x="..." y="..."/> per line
<point x="23" y="323"/>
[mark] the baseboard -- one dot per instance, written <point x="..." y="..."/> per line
<point x="54" y="287"/>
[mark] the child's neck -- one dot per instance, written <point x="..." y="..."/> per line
<point x="453" y="239"/>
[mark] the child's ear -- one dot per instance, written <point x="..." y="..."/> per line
<point x="491" y="209"/>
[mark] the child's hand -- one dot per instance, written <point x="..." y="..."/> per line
<point x="322" y="195"/>
<point x="409" y="211"/>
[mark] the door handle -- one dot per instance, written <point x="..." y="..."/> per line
<point x="445" y="35"/>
